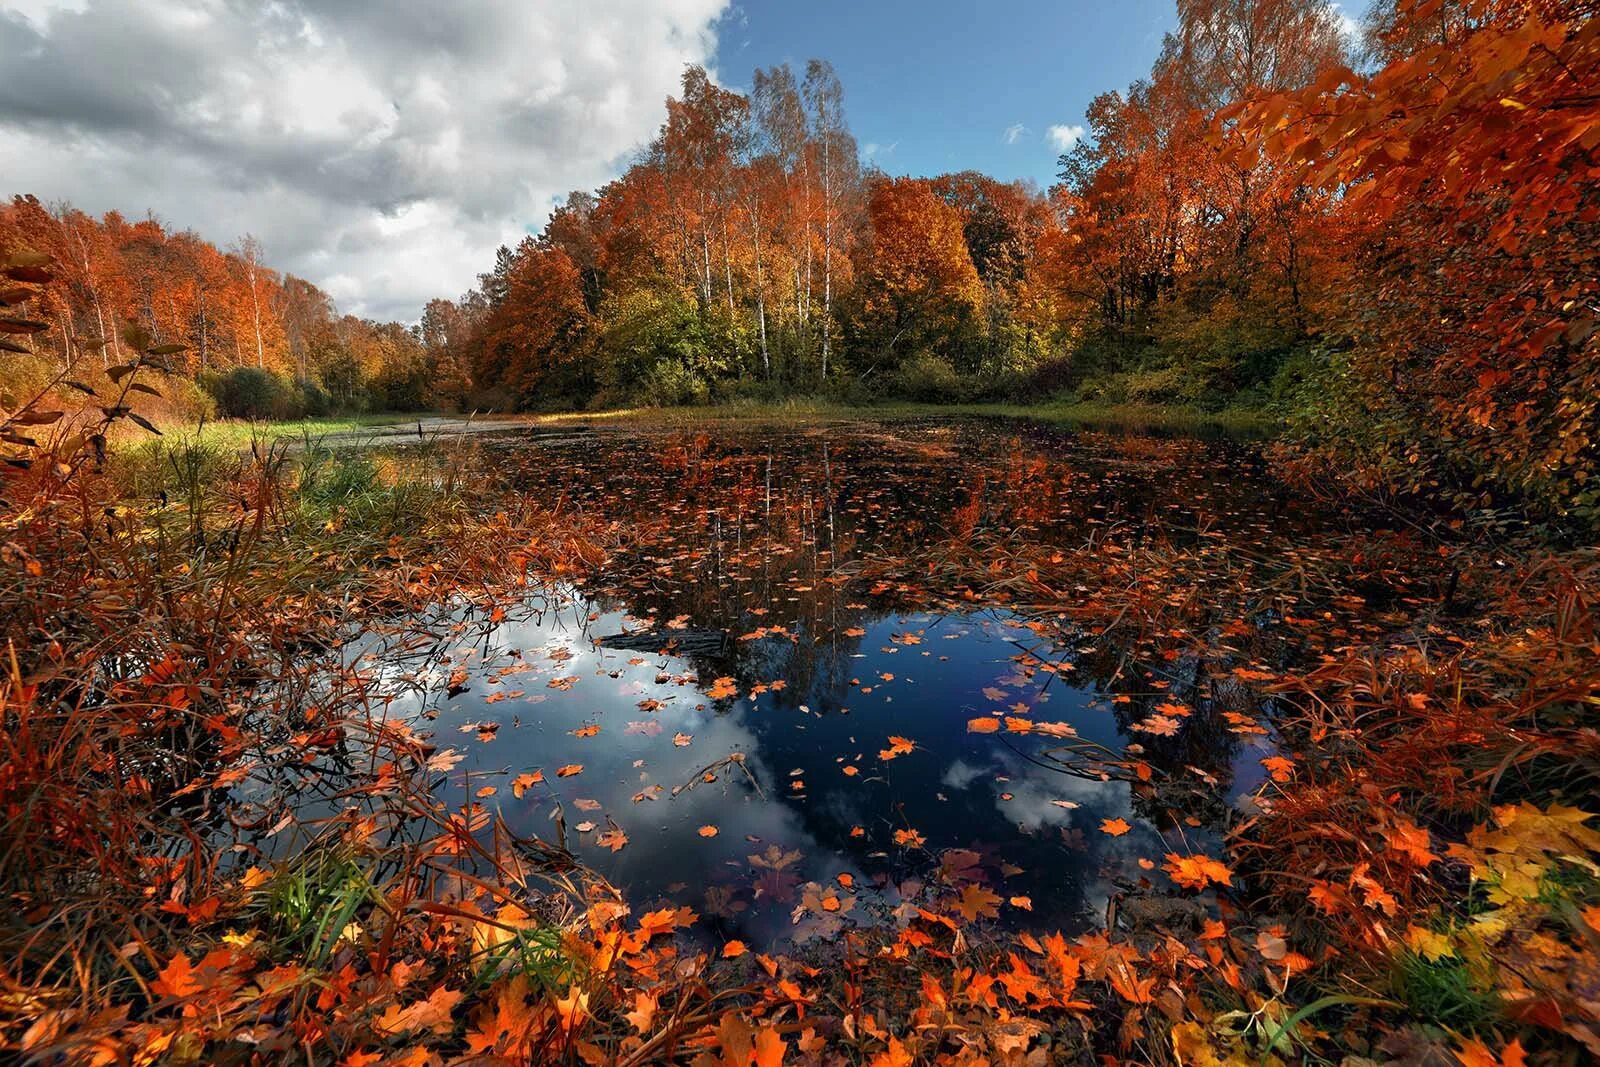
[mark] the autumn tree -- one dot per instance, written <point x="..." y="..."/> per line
<point x="1468" y="167"/>
<point x="920" y="288"/>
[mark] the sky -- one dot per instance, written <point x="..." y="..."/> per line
<point x="384" y="148"/>
<point x="933" y="86"/>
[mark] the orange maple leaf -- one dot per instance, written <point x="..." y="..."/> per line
<point x="1196" y="872"/>
<point x="178" y="978"/>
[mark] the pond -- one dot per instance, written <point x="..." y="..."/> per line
<point x="804" y="686"/>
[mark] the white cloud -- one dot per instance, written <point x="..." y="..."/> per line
<point x="1063" y="137"/>
<point x="39" y="11"/>
<point x="1014" y="133"/>
<point x="382" y="149"/>
<point x="1349" y="26"/>
<point x="874" y="150"/>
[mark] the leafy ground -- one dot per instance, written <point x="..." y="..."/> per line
<point x="220" y="847"/>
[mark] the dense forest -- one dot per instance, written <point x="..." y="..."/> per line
<point x="1389" y="242"/>
<point x="258" y="343"/>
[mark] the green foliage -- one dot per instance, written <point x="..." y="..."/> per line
<point x="341" y="377"/>
<point x="253" y="393"/>
<point x="1446" y="992"/>
<point x="657" y="348"/>
<point x="345" y="489"/>
<point x="313" y="900"/>
<point x="930" y="379"/>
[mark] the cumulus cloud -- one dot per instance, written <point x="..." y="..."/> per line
<point x="1063" y="137"/>
<point x="381" y="149"/>
<point x="1014" y="133"/>
<point x="1349" y="26"/>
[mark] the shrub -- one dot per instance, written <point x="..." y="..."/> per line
<point x="314" y="400"/>
<point x="253" y="393"/>
<point x="672" y="384"/>
<point x="929" y="378"/>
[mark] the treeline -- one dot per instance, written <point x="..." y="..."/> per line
<point x="1390" y="240"/>
<point x="258" y="343"/>
<point x="747" y="251"/>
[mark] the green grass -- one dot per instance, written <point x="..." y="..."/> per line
<point x="1244" y="422"/>
<point x="238" y="433"/>
<point x="1445" y="993"/>
<point x="1087" y="415"/>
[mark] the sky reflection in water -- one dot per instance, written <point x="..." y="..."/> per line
<point x="788" y="564"/>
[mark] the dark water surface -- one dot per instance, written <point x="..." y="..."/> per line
<point x="773" y="682"/>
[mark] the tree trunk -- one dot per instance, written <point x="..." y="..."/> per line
<point x="203" y="364"/>
<point x="761" y="294"/>
<point x="727" y="262"/>
<point x="255" y="301"/>
<point x="827" y="255"/>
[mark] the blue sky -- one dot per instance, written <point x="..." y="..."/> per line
<point x="935" y="85"/>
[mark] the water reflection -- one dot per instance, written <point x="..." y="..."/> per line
<point x="774" y="703"/>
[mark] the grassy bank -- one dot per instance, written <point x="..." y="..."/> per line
<point x="1131" y="418"/>
<point x="239" y="433"/>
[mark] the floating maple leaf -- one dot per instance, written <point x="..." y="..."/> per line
<point x="1196" y="872"/>
<point x="775" y="858"/>
<point x="1280" y="768"/>
<point x="1160" y="725"/>
<point x="898" y="746"/>
<point x="976" y="902"/>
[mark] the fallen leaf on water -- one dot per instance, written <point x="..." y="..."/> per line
<point x="898" y="746"/>
<point x="1196" y="872"/>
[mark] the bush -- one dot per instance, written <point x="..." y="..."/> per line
<point x="314" y="400"/>
<point x="672" y="385"/>
<point x="1165" y="385"/>
<point x="928" y="378"/>
<point x="253" y="393"/>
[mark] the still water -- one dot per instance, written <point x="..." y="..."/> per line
<point x="803" y="684"/>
